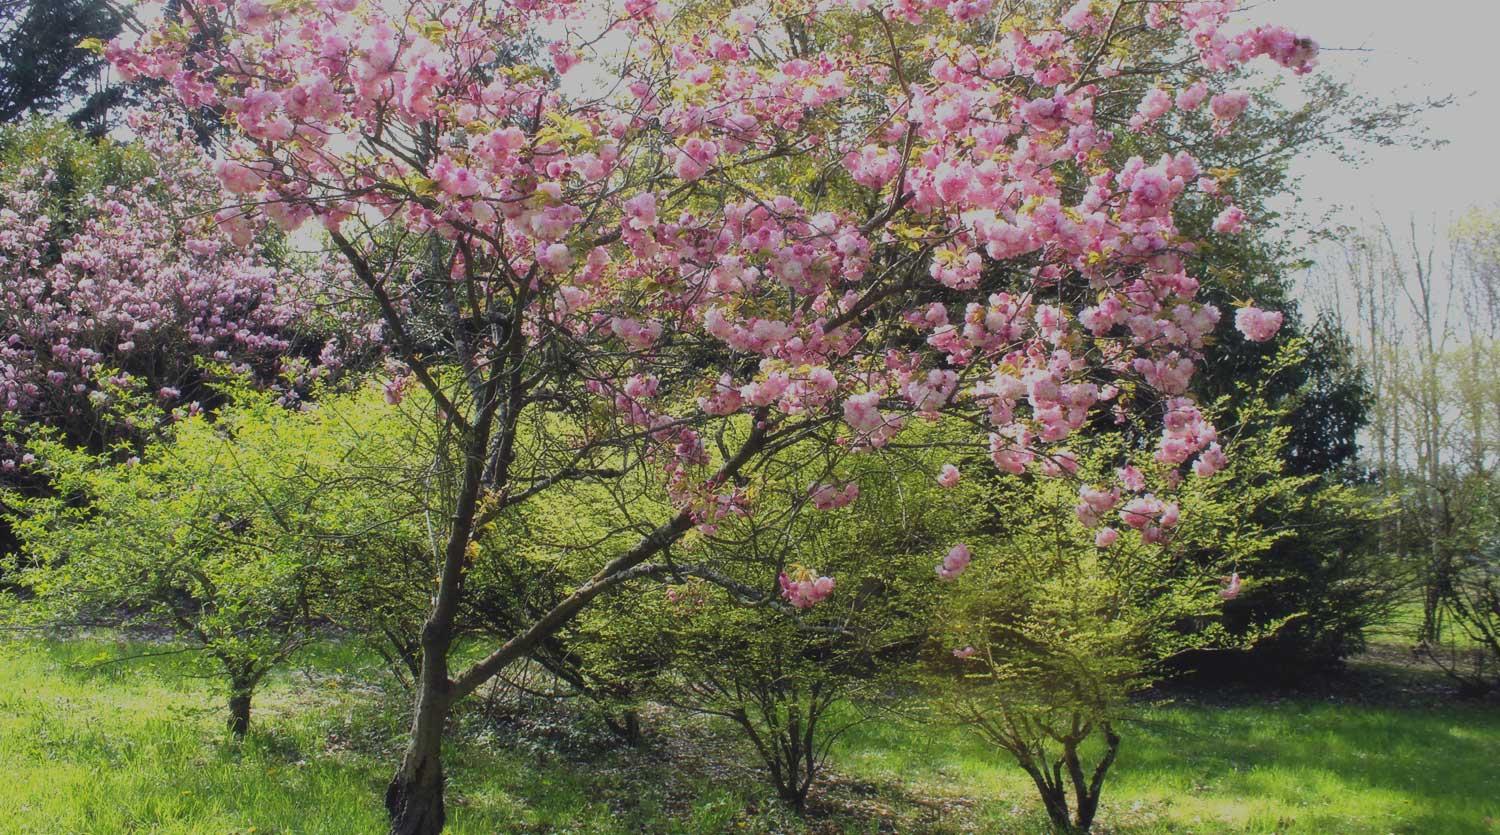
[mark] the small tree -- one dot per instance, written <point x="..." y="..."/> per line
<point x="1468" y="614"/>
<point x="1071" y="609"/>
<point x="171" y="540"/>
<point x="792" y="676"/>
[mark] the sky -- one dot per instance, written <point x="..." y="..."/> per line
<point x="1408" y="50"/>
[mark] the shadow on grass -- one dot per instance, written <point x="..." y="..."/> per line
<point x="138" y="746"/>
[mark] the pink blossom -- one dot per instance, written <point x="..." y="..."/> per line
<point x="1156" y="104"/>
<point x="1191" y="98"/>
<point x="1257" y="325"/>
<point x="641" y="211"/>
<point x="394" y="389"/>
<point x="1230" y="221"/>
<point x="1078" y="16"/>
<point x="1231" y="588"/>
<point x="562" y="57"/>
<point x="803" y="590"/>
<point x="1227" y="107"/>
<point x="638" y="335"/>
<point x="1094" y="503"/>
<point x="830" y="497"/>
<point x="955" y="563"/>
<point x="237" y="177"/>
<point x="862" y="412"/>
<point x="1141" y="511"/>
<point x="555" y="258"/>
<point x="1210" y="461"/>
<point x="948" y="477"/>
<point x="725" y="400"/>
<point x="742" y="23"/>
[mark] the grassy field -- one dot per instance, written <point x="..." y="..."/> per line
<point x="137" y="747"/>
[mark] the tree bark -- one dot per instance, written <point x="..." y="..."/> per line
<point x="627" y="726"/>
<point x="239" y="711"/>
<point x="1086" y="811"/>
<point x="414" y="798"/>
<point x="1054" y="798"/>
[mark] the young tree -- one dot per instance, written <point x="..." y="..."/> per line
<point x="176" y="539"/>
<point x="790" y="675"/>
<point x="1075" y="598"/>
<point x="720" y="220"/>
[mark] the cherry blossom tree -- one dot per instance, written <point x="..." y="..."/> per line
<point x="674" y="243"/>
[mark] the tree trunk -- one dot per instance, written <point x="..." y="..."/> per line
<point x="1056" y="803"/>
<point x="1054" y="798"/>
<point x="414" y="799"/>
<point x="239" y="711"/>
<point x="1088" y="796"/>
<point x="627" y="726"/>
<point x="243" y="679"/>
<point x="795" y="799"/>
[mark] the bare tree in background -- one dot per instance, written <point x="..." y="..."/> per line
<point x="1426" y="317"/>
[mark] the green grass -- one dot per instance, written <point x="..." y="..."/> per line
<point x="138" y="747"/>
<point x="1288" y="768"/>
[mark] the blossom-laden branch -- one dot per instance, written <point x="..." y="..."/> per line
<point x="653" y="256"/>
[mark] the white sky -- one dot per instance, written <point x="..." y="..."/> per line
<point x="1429" y="48"/>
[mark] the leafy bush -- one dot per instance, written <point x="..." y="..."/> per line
<point x="792" y="678"/>
<point x="1073" y="605"/>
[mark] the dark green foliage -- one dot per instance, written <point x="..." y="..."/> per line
<point x="1324" y="581"/>
<point x="42" y="68"/>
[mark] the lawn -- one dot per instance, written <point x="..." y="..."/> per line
<point x="136" y="746"/>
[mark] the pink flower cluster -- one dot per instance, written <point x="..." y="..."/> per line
<point x="803" y="589"/>
<point x="955" y="563"/>
<point x="1151" y="516"/>
<point x="1231" y="588"/>
<point x="948" y="476"/>
<point x="829" y="497"/>
<point x="1257" y="325"/>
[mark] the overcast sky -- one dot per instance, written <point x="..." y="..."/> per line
<point x="1430" y="48"/>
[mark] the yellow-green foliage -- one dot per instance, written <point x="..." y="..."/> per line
<point x="720" y="639"/>
<point x="1048" y="636"/>
<point x="237" y="533"/>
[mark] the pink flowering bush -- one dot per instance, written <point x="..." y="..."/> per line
<point x="731" y="232"/>
<point x="117" y="286"/>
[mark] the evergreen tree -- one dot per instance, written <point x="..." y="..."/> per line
<point x="42" y="68"/>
